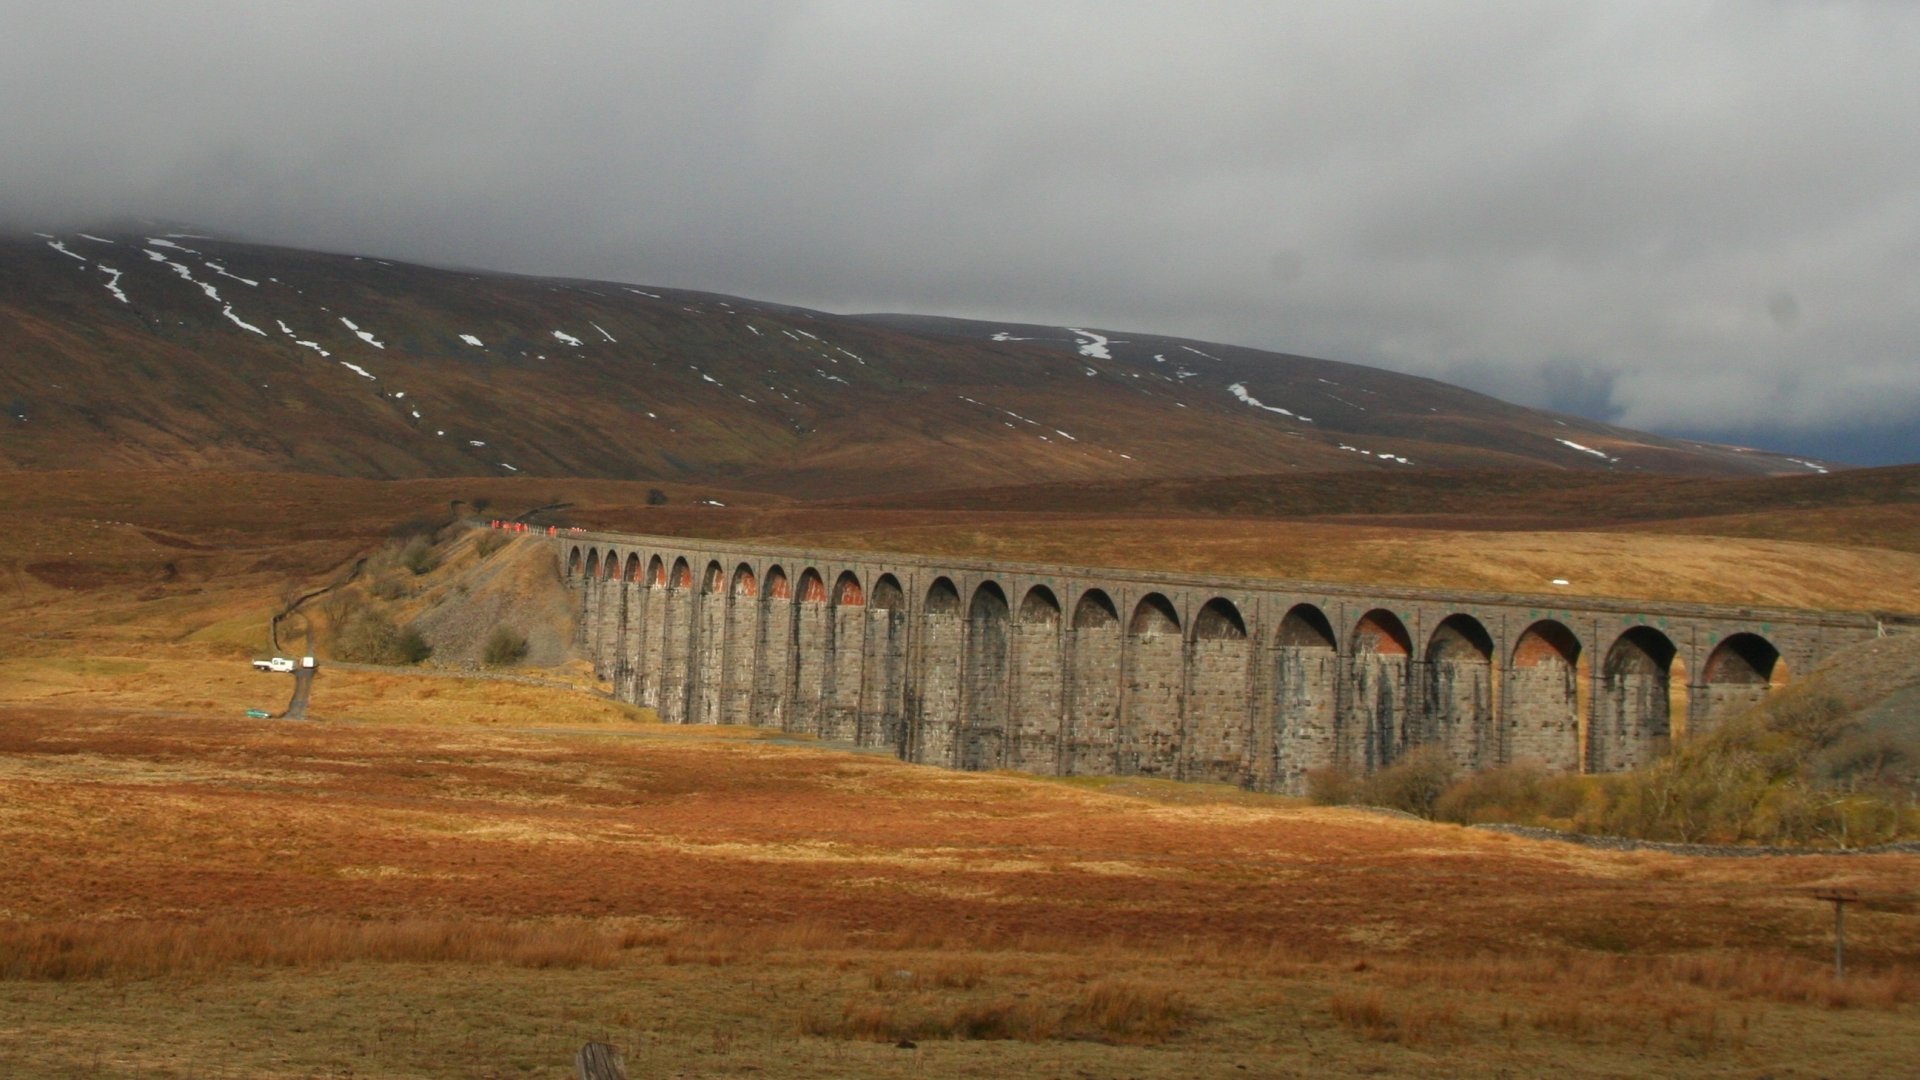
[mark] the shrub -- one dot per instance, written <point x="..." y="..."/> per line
<point x="1796" y="769"/>
<point x="418" y="556"/>
<point x="490" y="541"/>
<point x="1867" y="759"/>
<point x="1331" y="786"/>
<point x="1809" y="716"/>
<point x="372" y="637"/>
<point x="413" y="648"/>
<point x="1512" y="793"/>
<point x="1414" y="783"/>
<point x="505" y="646"/>
<point x="339" y="605"/>
<point x="656" y="497"/>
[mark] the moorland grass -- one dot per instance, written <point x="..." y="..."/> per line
<point x="448" y="899"/>
<point x="460" y="877"/>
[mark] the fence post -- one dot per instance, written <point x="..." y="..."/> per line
<point x="1839" y="898"/>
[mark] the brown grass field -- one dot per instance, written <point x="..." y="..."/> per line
<point x="443" y="876"/>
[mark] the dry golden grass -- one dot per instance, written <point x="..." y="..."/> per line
<point x="457" y="877"/>
<point x="475" y="898"/>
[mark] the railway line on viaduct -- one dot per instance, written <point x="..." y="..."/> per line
<point x="1082" y="670"/>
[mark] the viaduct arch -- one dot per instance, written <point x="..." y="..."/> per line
<point x="1078" y="670"/>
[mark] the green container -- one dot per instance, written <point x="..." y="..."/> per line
<point x="258" y="714"/>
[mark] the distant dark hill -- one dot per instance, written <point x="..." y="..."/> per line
<point x="1455" y="498"/>
<point x="1369" y="412"/>
<point x="147" y="349"/>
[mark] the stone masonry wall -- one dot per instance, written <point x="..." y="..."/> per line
<point x="1304" y="698"/>
<point x="934" y="712"/>
<point x="1093" y="701"/>
<point x="1543" y="718"/>
<point x="1034" y="718"/>
<point x="1086" y="671"/>
<point x="882" y="692"/>
<point x="1218" y="737"/>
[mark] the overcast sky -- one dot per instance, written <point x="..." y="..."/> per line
<point x="1693" y="218"/>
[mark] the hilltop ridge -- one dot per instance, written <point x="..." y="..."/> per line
<point x="134" y="349"/>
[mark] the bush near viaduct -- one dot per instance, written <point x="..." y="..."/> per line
<point x="1085" y="671"/>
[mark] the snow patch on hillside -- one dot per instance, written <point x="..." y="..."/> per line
<point x="314" y="345"/>
<point x="1239" y="390"/>
<point x="357" y="370"/>
<point x="1382" y="456"/>
<point x="1095" y="345"/>
<point x="95" y="239"/>
<point x="603" y="332"/>
<point x="239" y="322"/>
<point x="473" y="341"/>
<point x="113" y="283"/>
<point x="157" y="242"/>
<point x="566" y="338"/>
<point x="362" y="335"/>
<point x="222" y="271"/>
<point x="213" y="294"/>
<point x="1010" y="412"/>
<point x="1601" y="454"/>
<point x="62" y="249"/>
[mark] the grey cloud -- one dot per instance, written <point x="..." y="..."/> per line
<point x="1689" y="217"/>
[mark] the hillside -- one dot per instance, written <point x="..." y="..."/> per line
<point x="1457" y="498"/>
<point x="164" y="350"/>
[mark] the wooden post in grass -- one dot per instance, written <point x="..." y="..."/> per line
<point x="599" y="1061"/>
<point x="1839" y="898"/>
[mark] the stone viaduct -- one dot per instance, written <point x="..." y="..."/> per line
<point x="1074" y="670"/>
